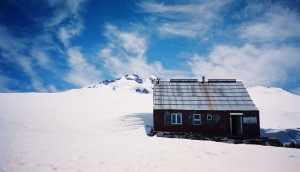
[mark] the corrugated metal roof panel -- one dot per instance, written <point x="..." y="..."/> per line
<point x="202" y="96"/>
<point x="174" y="102"/>
<point x="196" y="90"/>
<point x="205" y="107"/>
<point x="184" y="80"/>
<point x="199" y="82"/>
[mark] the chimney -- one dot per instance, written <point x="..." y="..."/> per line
<point x="203" y="79"/>
<point x="157" y="81"/>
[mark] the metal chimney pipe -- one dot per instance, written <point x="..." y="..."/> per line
<point x="203" y="79"/>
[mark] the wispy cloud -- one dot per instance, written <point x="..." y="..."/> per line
<point x="259" y="35"/>
<point x="82" y="73"/>
<point x="189" y="19"/>
<point x="66" y="20"/>
<point x="70" y="30"/>
<point x="14" y="51"/>
<point x="67" y="9"/>
<point x="125" y="53"/>
<point x="32" y="54"/>
<point x="41" y="57"/>
<point x="275" y="24"/>
<point x="266" y="65"/>
<point x="58" y="17"/>
<point x="132" y="42"/>
<point x="69" y="25"/>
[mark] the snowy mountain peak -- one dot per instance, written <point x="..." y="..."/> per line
<point x="152" y="78"/>
<point x="134" y="77"/>
<point x="131" y="83"/>
<point x="106" y="82"/>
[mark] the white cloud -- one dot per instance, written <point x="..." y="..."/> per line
<point x="66" y="19"/>
<point x="27" y="66"/>
<point x="41" y="57"/>
<point x="32" y="53"/>
<point x="254" y="65"/>
<point x="193" y="18"/>
<point x="64" y="36"/>
<point x="69" y="24"/>
<point x="276" y="23"/>
<point x="82" y="73"/>
<point x="39" y="87"/>
<point x="70" y="30"/>
<point x="64" y="9"/>
<point x="125" y="53"/>
<point x="57" y="18"/>
<point x="52" y="88"/>
<point x="8" y="42"/>
<point x="15" y="50"/>
<point x="75" y="5"/>
<point x="132" y="42"/>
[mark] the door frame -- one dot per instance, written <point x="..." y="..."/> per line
<point x="240" y="123"/>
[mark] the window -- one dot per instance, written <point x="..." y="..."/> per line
<point x="176" y="118"/>
<point x="197" y="119"/>
<point x="209" y="117"/>
<point x="250" y="120"/>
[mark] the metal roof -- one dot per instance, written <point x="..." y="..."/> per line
<point x="184" y="80"/>
<point x="215" y="95"/>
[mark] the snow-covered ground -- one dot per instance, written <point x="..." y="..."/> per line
<point x="279" y="112"/>
<point x="278" y="108"/>
<point x="98" y="129"/>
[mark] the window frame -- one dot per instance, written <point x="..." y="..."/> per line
<point x="194" y="119"/>
<point x="209" y="117"/>
<point x="176" y="118"/>
<point x="249" y="120"/>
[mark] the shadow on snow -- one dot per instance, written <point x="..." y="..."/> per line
<point x="138" y="120"/>
<point x="145" y="120"/>
<point x="286" y="136"/>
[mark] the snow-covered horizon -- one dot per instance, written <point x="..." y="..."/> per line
<point x="283" y="105"/>
<point x="101" y="129"/>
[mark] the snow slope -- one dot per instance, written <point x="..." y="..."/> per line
<point x="104" y="130"/>
<point x="278" y="108"/>
<point x="279" y="113"/>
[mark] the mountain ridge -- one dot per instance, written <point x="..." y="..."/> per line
<point x="131" y="83"/>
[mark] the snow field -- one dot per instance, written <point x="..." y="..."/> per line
<point x="278" y="108"/>
<point x="97" y="130"/>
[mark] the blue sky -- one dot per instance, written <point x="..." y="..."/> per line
<point x="56" y="45"/>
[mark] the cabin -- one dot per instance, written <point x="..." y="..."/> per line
<point x="216" y="107"/>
